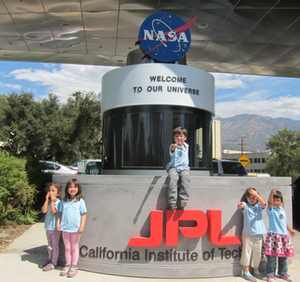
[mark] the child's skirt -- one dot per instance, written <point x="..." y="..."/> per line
<point x="278" y="245"/>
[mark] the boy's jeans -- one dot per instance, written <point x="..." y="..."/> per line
<point x="272" y="263"/>
<point x="178" y="193"/>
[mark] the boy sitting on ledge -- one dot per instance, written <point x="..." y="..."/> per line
<point x="178" y="169"/>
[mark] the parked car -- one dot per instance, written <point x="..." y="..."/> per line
<point x="90" y="166"/>
<point x="74" y="166"/>
<point x="228" y="167"/>
<point x="55" y="168"/>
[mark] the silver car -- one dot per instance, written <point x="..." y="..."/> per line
<point x="56" y="168"/>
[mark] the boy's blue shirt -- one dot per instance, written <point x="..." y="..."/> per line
<point x="179" y="159"/>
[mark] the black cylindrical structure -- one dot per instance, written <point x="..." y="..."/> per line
<point x="138" y="137"/>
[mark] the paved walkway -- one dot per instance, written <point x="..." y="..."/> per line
<point x="21" y="260"/>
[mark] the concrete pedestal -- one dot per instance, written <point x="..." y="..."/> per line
<point x="119" y="208"/>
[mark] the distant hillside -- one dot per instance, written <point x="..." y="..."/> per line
<point x="256" y="129"/>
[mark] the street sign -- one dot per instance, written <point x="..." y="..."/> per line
<point x="244" y="160"/>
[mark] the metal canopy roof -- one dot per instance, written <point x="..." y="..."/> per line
<point x="238" y="36"/>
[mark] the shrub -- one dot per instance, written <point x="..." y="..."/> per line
<point x="16" y="194"/>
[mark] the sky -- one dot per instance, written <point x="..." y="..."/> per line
<point x="235" y="94"/>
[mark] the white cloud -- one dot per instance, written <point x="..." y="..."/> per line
<point x="10" y="86"/>
<point x="65" y="80"/>
<point x="285" y="106"/>
<point x="257" y="95"/>
<point x="232" y="81"/>
<point x="227" y="81"/>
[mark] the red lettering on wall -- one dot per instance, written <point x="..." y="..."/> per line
<point x="210" y="224"/>
<point x="172" y="225"/>
<point x="215" y="235"/>
<point x="156" y="232"/>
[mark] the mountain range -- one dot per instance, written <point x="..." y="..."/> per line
<point x="255" y="129"/>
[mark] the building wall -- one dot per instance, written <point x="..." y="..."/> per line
<point x="257" y="159"/>
<point x="216" y="139"/>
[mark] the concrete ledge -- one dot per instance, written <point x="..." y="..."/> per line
<point x="119" y="208"/>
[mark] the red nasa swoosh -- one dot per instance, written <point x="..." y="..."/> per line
<point x="181" y="28"/>
<point x="187" y="25"/>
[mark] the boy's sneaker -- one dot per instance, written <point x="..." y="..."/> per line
<point x="257" y="274"/>
<point x="285" y="277"/>
<point x="248" y="276"/>
<point x="72" y="272"/>
<point x="48" y="267"/>
<point x="65" y="271"/>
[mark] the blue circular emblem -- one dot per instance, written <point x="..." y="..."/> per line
<point x="164" y="37"/>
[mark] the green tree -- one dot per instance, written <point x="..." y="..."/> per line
<point x="54" y="127"/>
<point x="285" y="154"/>
<point x="24" y="133"/>
<point x="49" y="130"/>
<point x="83" y="124"/>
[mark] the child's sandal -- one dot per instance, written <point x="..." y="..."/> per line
<point x="65" y="271"/>
<point x="72" y="272"/>
<point x="48" y="267"/>
<point x="285" y="277"/>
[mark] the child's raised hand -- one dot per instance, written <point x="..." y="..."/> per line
<point x="173" y="147"/>
<point x="253" y="193"/>
<point x="241" y="205"/>
<point x="52" y="197"/>
<point x="47" y="196"/>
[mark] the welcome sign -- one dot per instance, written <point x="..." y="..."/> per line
<point x="158" y="84"/>
<point x="165" y="37"/>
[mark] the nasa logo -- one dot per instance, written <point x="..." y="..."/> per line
<point x="165" y="37"/>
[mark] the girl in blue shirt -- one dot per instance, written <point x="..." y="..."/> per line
<point x="277" y="244"/>
<point x="72" y="221"/>
<point x="252" y="205"/>
<point x="50" y="209"/>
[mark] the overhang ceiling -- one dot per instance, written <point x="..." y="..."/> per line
<point x="237" y="36"/>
